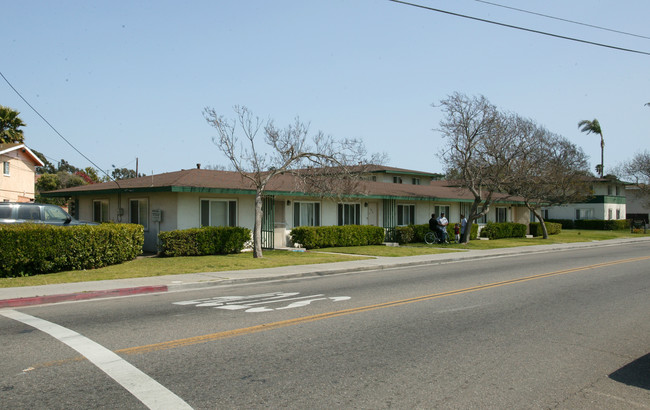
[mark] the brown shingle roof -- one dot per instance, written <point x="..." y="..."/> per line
<point x="203" y="180"/>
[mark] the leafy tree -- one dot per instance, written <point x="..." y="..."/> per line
<point x="594" y="126"/>
<point x="124" y="173"/>
<point x="288" y="150"/>
<point x="10" y="124"/>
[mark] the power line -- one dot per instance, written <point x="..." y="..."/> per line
<point x="563" y="19"/>
<point x="50" y="125"/>
<point x="521" y="28"/>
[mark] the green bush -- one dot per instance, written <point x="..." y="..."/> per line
<point x="404" y="234"/>
<point x="313" y="237"/>
<point x="594" y="224"/>
<point x="551" y="227"/>
<point x="31" y="249"/>
<point x="208" y="240"/>
<point x="503" y="230"/>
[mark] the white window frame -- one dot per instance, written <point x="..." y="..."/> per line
<point x="104" y="215"/>
<point x="405" y="214"/>
<point x="141" y="216"/>
<point x="416" y="181"/>
<point x="349" y="213"/>
<point x="312" y="219"/>
<point x="231" y="213"/>
<point x="5" y="168"/>
<point x="397" y="180"/>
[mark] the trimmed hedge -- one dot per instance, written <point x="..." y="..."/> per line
<point x="208" y="240"/>
<point x="551" y="227"/>
<point x="594" y="224"/>
<point x="404" y="234"/>
<point x="31" y="249"/>
<point x="503" y="230"/>
<point x="313" y="237"/>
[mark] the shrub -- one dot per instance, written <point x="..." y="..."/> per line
<point x="551" y="227"/>
<point x="404" y="234"/>
<point x="31" y="249"/>
<point x="503" y="230"/>
<point x="313" y="237"/>
<point x="594" y="224"/>
<point x="208" y="240"/>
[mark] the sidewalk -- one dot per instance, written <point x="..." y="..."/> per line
<point x="36" y="295"/>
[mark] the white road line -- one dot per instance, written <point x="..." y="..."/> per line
<point x="151" y="393"/>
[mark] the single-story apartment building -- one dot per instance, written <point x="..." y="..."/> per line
<point x="387" y="197"/>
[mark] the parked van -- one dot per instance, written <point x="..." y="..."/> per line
<point x="21" y="212"/>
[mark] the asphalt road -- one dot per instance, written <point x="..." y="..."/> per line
<point x="564" y="330"/>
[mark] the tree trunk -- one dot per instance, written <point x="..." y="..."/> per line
<point x="540" y="218"/>
<point x="257" y="229"/>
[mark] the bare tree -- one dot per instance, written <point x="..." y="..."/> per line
<point x="638" y="170"/>
<point x="549" y="170"/>
<point x="481" y="142"/>
<point x="288" y="149"/>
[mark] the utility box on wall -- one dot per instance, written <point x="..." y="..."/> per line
<point x="156" y="215"/>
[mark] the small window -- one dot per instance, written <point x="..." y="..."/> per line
<point x="139" y="212"/>
<point x="405" y="215"/>
<point x="397" y="180"/>
<point x="100" y="210"/>
<point x="349" y="214"/>
<point x="415" y="181"/>
<point x="218" y="212"/>
<point x="5" y="168"/>
<point x="306" y="214"/>
<point x="502" y="214"/>
<point x="584" y="213"/>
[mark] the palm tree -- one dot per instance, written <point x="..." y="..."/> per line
<point x="9" y="124"/>
<point x="594" y="126"/>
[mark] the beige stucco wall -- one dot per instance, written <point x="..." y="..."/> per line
<point x="18" y="186"/>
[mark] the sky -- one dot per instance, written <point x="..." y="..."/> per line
<point x="126" y="81"/>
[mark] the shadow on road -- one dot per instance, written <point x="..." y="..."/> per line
<point x="636" y="373"/>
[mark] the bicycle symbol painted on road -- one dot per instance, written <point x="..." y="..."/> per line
<point x="262" y="302"/>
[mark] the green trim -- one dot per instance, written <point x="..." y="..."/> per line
<point x="606" y="199"/>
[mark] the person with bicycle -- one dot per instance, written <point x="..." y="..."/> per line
<point x="433" y="227"/>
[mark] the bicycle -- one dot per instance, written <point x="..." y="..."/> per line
<point x="431" y="237"/>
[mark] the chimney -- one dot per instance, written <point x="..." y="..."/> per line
<point x="198" y="166"/>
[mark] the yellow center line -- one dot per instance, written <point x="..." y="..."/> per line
<point x="306" y="319"/>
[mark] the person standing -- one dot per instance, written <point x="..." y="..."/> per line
<point x="442" y="225"/>
<point x="463" y="224"/>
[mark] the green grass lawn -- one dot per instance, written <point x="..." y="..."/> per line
<point x="153" y="266"/>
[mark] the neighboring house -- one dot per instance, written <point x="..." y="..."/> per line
<point x="18" y="173"/>
<point x="606" y="202"/>
<point x="388" y="197"/>
<point x="637" y="203"/>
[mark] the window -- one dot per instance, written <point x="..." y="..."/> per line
<point x="609" y="213"/>
<point x="618" y="190"/>
<point x="306" y="214"/>
<point x="5" y="168"/>
<point x="397" y="180"/>
<point x="618" y="214"/>
<point x="405" y="214"/>
<point x="502" y="214"/>
<point x="544" y="213"/>
<point x="100" y="210"/>
<point x="439" y="209"/>
<point x="139" y="212"/>
<point x="218" y="212"/>
<point x="415" y="181"/>
<point x="609" y="189"/>
<point x="584" y="213"/>
<point x="349" y="214"/>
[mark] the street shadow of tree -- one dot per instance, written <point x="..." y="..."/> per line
<point x="636" y="373"/>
